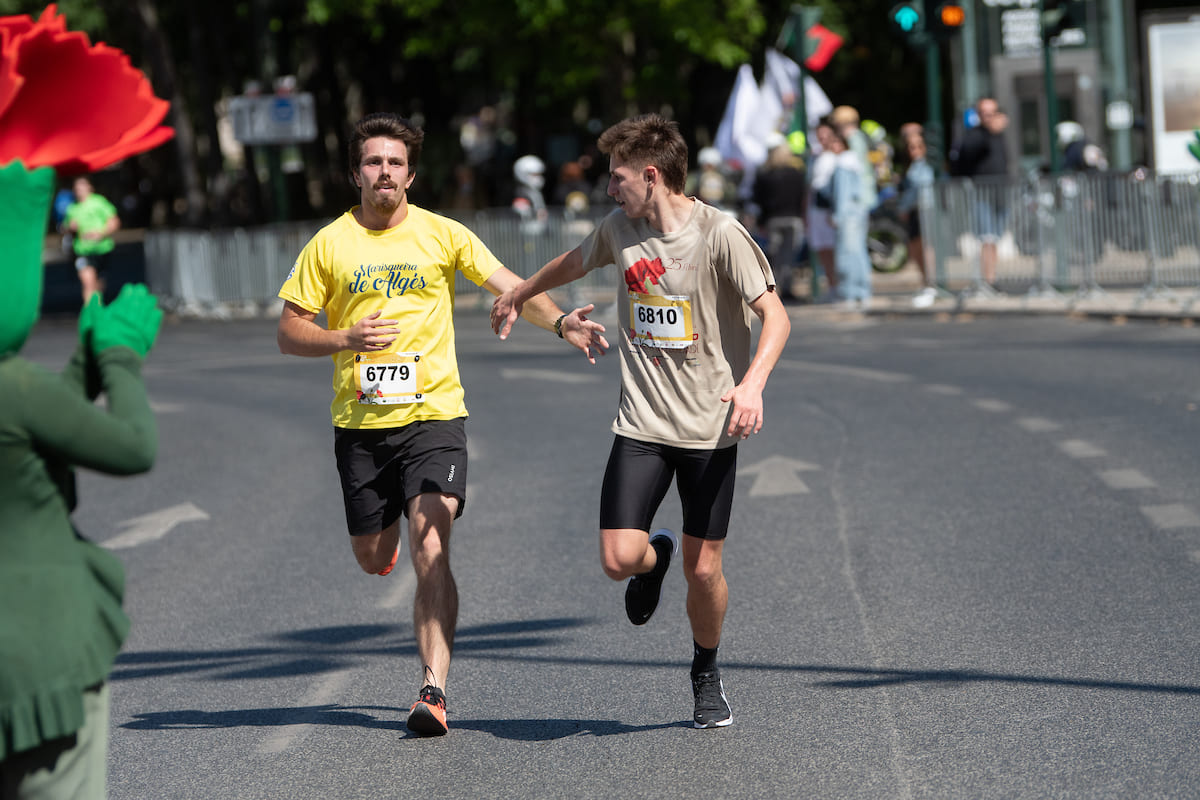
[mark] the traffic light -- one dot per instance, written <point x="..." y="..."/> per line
<point x="948" y="19"/>
<point x="1060" y="15"/>
<point x="907" y="19"/>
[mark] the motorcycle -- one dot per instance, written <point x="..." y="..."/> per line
<point x="887" y="235"/>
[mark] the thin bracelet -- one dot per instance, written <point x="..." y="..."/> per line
<point x="558" y="325"/>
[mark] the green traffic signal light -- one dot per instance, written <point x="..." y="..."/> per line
<point x="906" y="18"/>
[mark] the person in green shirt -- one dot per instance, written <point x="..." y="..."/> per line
<point x="61" y="620"/>
<point x="92" y="220"/>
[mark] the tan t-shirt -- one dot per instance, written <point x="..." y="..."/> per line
<point x="685" y="322"/>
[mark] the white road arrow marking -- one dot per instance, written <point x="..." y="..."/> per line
<point x="547" y="375"/>
<point x="776" y="475"/>
<point x="154" y="525"/>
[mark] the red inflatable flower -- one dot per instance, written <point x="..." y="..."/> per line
<point x="69" y="104"/>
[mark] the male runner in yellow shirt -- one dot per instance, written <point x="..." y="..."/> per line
<point x="384" y="274"/>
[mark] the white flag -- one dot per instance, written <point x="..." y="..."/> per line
<point x="782" y="77"/>
<point x="735" y="135"/>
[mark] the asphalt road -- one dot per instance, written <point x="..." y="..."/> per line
<point x="964" y="564"/>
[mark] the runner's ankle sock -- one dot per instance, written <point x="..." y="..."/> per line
<point x="704" y="659"/>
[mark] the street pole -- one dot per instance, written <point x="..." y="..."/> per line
<point x="934" y="140"/>
<point x="787" y="43"/>
<point x="1118" y="83"/>
<point x="1051" y="92"/>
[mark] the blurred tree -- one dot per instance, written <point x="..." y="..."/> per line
<point x="555" y="72"/>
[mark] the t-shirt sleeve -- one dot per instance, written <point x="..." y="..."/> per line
<point x="476" y="262"/>
<point x="740" y="260"/>
<point x="596" y="248"/>
<point x="307" y="285"/>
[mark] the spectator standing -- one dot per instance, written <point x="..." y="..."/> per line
<point x="850" y="216"/>
<point x="915" y="187"/>
<point x="1079" y="153"/>
<point x="821" y="235"/>
<point x="981" y="155"/>
<point x="846" y="120"/>
<point x="528" y="201"/>
<point x="571" y="179"/>
<point x="780" y="192"/>
<point x="711" y="184"/>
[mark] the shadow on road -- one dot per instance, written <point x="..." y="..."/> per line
<point x="319" y="650"/>
<point x="346" y="716"/>
<point x="301" y="653"/>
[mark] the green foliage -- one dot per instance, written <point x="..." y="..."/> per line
<point x="82" y="15"/>
<point x="557" y="67"/>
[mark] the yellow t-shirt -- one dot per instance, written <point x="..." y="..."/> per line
<point x="407" y="272"/>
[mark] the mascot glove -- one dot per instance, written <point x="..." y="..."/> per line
<point x="92" y="309"/>
<point x="132" y="320"/>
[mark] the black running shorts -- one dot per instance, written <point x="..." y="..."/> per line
<point x="639" y="474"/>
<point x="381" y="470"/>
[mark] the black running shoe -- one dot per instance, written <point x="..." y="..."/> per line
<point x="642" y="591"/>
<point x="712" y="707"/>
<point x="428" y="714"/>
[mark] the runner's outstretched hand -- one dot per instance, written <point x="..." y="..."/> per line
<point x="584" y="334"/>
<point x="505" y="311"/>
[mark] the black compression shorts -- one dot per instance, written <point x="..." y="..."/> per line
<point x="639" y="474"/>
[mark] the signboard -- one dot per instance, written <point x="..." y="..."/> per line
<point x="1020" y="24"/>
<point x="1174" y="69"/>
<point x="273" y="119"/>
<point x="1020" y="31"/>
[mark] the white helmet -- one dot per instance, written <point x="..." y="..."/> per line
<point x="1068" y="132"/>
<point x="530" y="171"/>
<point x="709" y="157"/>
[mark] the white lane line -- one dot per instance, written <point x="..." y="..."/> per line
<point x="155" y="525"/>
<point x="1038" y="424"/>
<point x="552" y="375"/>
<point x="994" y="406"/>
<point x="943" y="388"/>
<point x="165" y="407"/>
<point x="1081" y="448"/>
<point x="322" y="693"/>
<point x="195" y="365"/>
<point x="1126" y="479"/>
<point x="865" y="373"/>
<point x="1172" y="515"/>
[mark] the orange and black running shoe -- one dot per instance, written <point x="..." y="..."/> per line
<point x="428" y="714"/>
<point x="387" y="570"/>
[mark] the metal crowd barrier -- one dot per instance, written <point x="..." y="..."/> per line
<point x="1070" y="233"/>
<point x="1075" y="234"/>
<point x="237" y="273"/>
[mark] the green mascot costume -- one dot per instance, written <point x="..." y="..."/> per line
<point x="61" y="621"/>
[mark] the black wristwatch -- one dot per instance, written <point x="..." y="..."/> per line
<point x="558" y="325"/>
